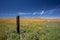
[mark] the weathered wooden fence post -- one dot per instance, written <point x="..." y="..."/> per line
<point x="18" y="24"/>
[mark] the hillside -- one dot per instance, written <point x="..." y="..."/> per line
<point x="11" y="20"/>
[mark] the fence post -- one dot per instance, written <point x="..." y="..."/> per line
<point x="18" y="24"/>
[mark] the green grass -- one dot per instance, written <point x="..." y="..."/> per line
<point x="30" y="31"/>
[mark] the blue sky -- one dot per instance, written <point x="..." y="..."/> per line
<point x="30" y="8"/>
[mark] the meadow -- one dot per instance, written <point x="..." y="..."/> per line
<point x="30" y="30"/>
